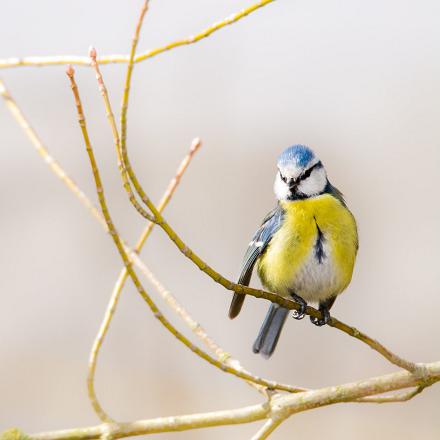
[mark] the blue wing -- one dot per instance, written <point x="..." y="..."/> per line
<point x="257" y="246"/>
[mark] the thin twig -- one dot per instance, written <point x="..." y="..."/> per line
<point x="115" y="133"/>
<point x="45" y="155"/>
<point x="125" y="173"/>
<point x="205" y="33"/>
<point x="393" y="398"/>
<point x="269" y="426"/>
<point x="108" y="59"/>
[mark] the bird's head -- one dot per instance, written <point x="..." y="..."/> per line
<point x="300" y="174"/>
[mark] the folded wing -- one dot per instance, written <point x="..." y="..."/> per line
<point x="257" y="246"/>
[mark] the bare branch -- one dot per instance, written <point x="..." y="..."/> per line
<point x="352" y="391"/>
<point x="163" y="424"/>
<point x="45" y="155"/>
<point x="281" y="406"/>
<point x="109" y="59"/>
<point x="125" y="167"/>
<point x="204" y="34"/>
<point x="115" y="133"/>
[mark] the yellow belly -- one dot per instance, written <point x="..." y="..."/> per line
<point x="289" y="263"/>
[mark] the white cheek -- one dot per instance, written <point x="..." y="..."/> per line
<point x="315" y="184"/>
<point x="280" y="188"/>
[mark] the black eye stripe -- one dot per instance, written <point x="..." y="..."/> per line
<point x="303" y="176"/>
<point x="307" y="172"/>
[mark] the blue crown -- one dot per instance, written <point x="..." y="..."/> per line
<point x="299" y="154"/>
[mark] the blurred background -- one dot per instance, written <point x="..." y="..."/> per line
<point x="357" y="81"/>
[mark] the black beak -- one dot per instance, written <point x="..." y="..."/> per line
<point x="293" y="184"/>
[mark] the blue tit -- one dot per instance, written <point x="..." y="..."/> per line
<point x="305" y="248"/>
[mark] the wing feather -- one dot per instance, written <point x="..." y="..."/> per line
<point x="258" y="244"/>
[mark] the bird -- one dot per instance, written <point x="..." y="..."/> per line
<point x="305" y="248"/>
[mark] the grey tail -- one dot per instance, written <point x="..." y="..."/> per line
<point x="267" y="338"/>
<point x="236" y="304"/>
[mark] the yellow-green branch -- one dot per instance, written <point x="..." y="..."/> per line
<point x="110" y="59"/>
<point x="280" y="406"/>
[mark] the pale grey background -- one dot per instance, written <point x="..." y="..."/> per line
<point x="358" y="81"/>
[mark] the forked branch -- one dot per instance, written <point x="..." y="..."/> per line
<point x="278" y="407"/>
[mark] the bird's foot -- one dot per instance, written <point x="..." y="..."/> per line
<point x="323" y="320"/>
<point x="299" y="314"/>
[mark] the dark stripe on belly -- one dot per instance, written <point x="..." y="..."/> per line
<point x="319" y="248"/>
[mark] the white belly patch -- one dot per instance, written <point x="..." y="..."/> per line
<point x="318" y="278"/>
